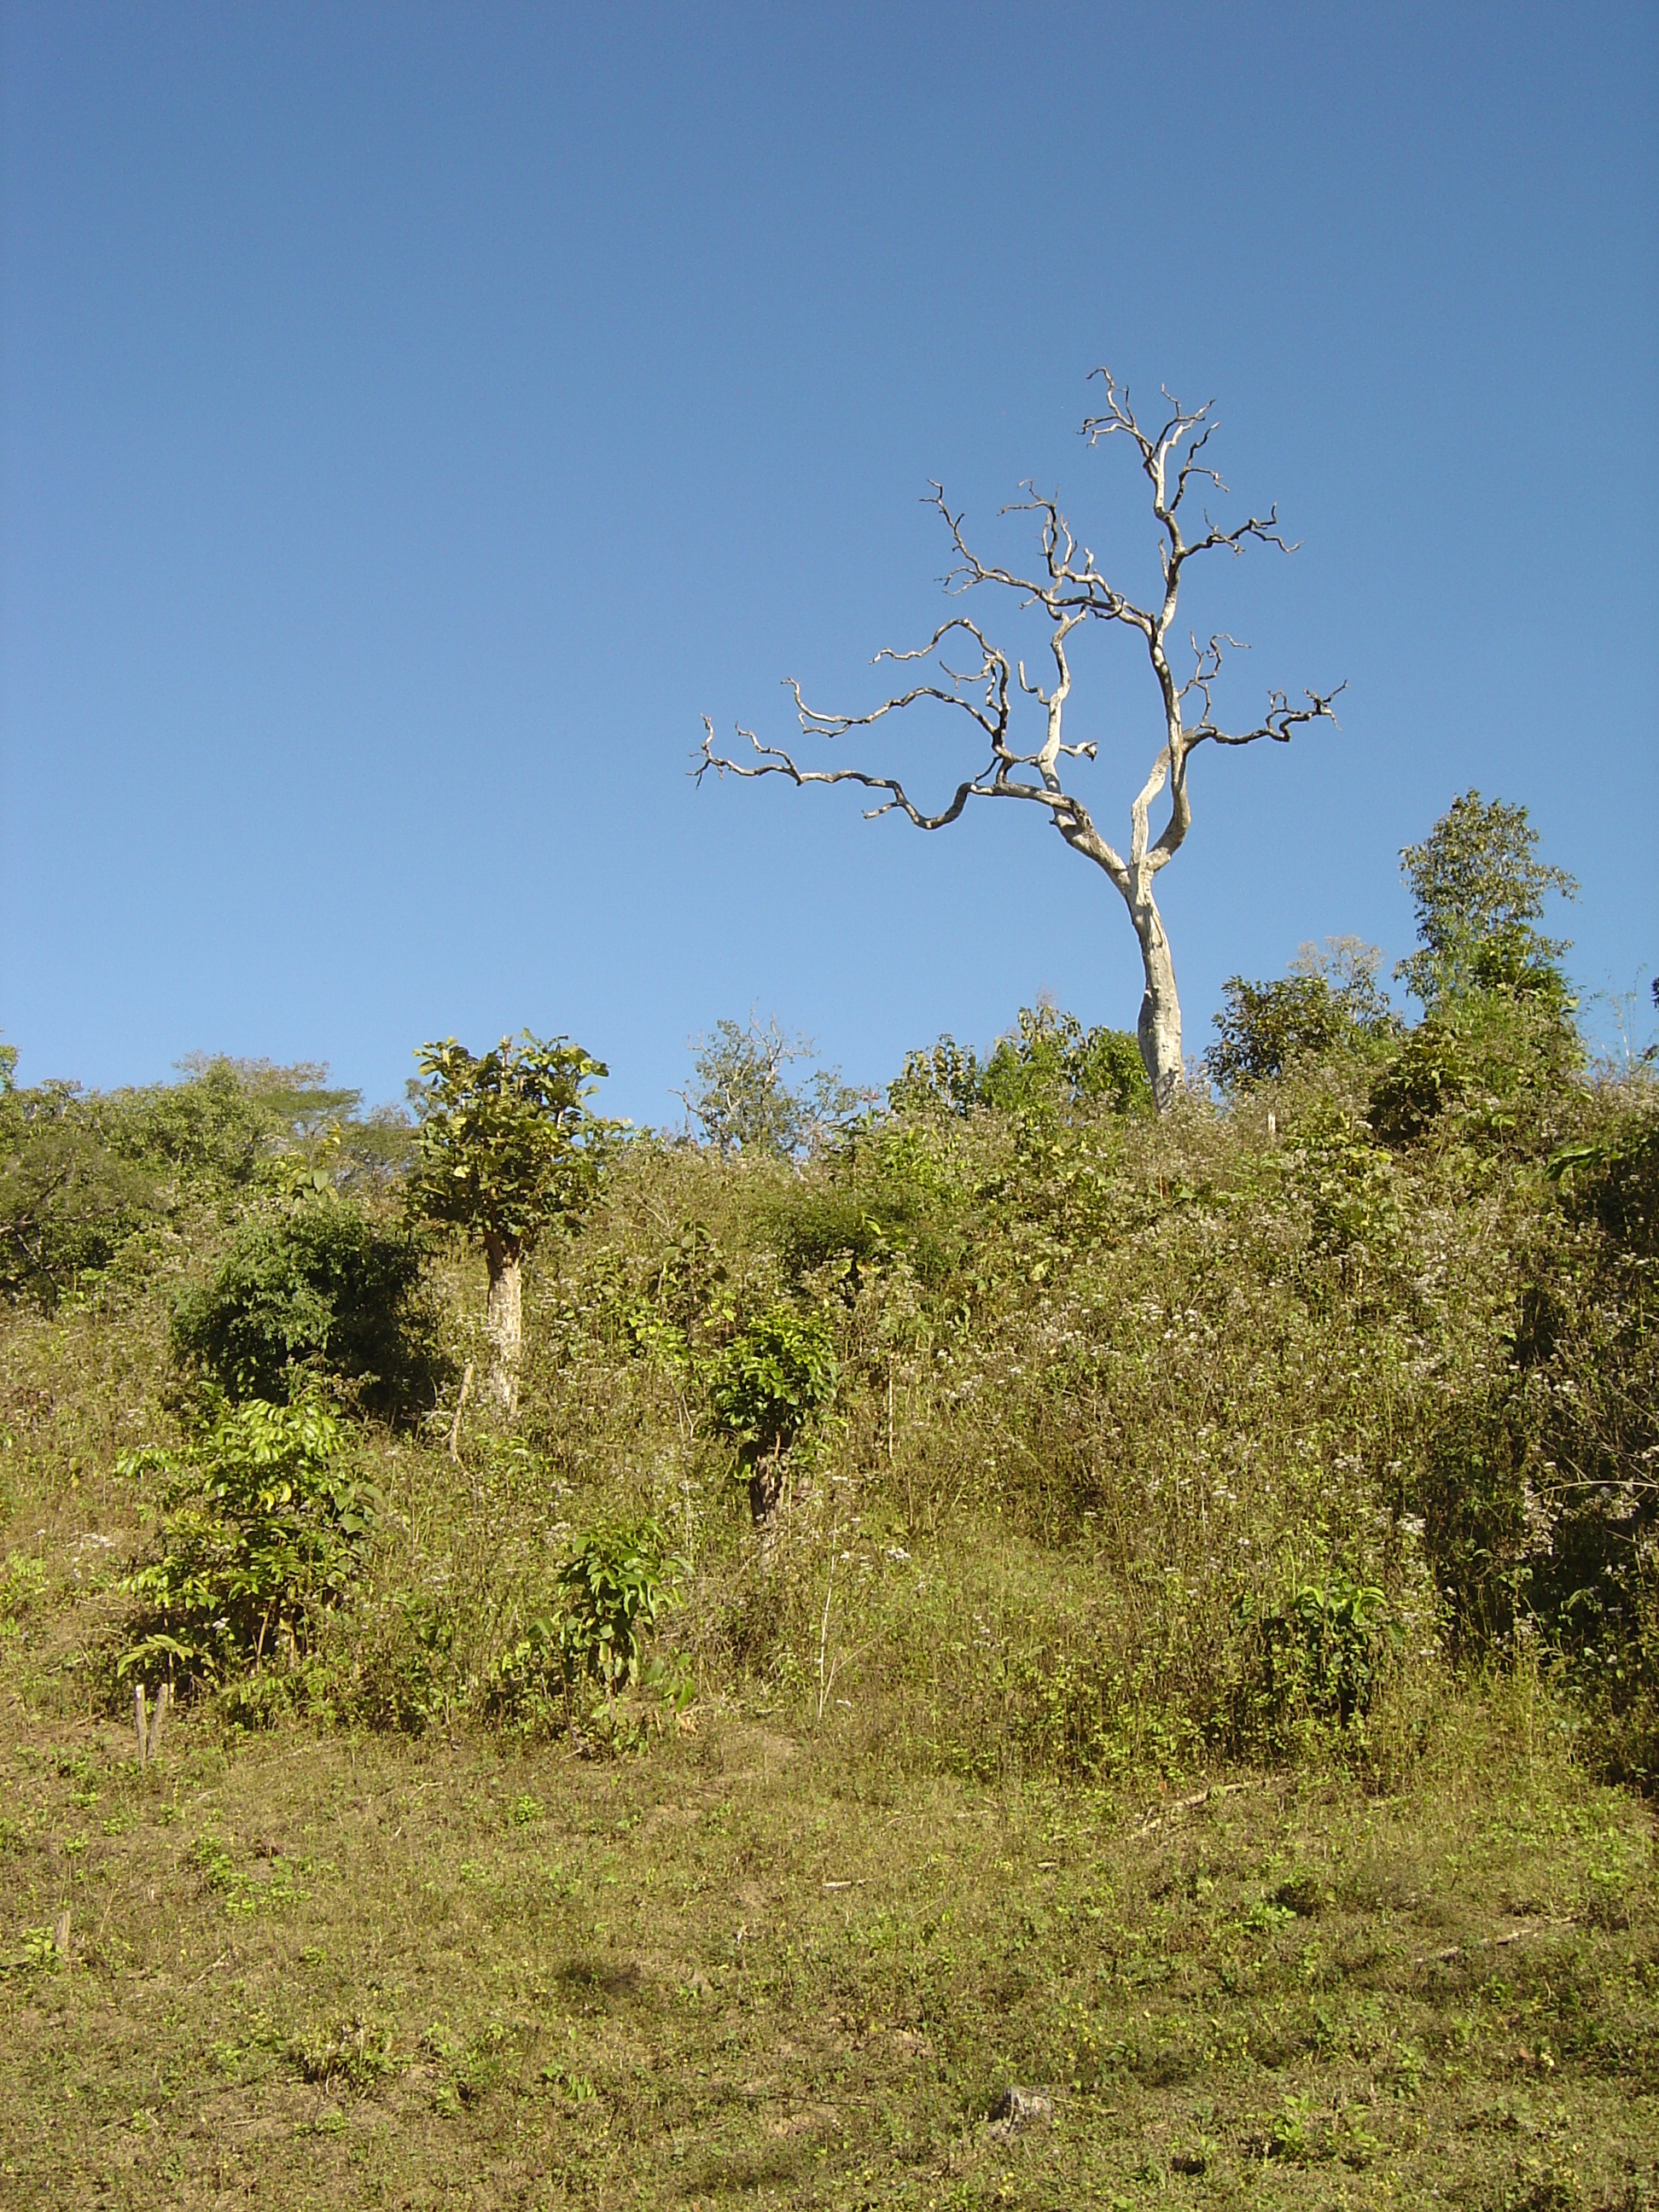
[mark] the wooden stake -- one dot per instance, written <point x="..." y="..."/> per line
<point x="141" y="1731"/>
<point x="455" y="1429"/>
<point x="163" y="1699"/>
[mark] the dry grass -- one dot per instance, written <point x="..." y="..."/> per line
<point x="748" y="1969"/>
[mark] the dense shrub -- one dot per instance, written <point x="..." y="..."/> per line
<point x="1496" y="1066"/>
<point x="1588" y="1359"/>
<point x="880" y="1194"/>
<point x="322" y="1287"/>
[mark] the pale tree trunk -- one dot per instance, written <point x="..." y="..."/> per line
<point x="766" y="1486"/>
<point x="1159" y="1030"/>
<point x="504" y="1321"/>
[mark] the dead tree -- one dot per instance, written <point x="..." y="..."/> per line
<point x="1070" y="592"/>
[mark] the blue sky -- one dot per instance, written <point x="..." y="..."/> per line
<point x="416" y="417"/>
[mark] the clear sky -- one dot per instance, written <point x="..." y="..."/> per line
<point x="416" y="417"/>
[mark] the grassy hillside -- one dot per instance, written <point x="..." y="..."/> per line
<point x="999" y="1589"/>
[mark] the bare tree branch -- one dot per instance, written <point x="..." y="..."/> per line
<point x="1069" y="590"/>
<point x="993" y="781"/>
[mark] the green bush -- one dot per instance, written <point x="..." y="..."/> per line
<point x="1050" y="1061"/>
<point x="770" y="1381"/>
<point x="1265" y="1028"/>
<point x="322" y="1288"/>
<point x="879" y="1193"/>
<point x="1536" y="1485"/>
<point x="1587" y="1362"/>
<point x="1347" y="1181"/>
<point x="612" y="1588"/>
<point x="1614" y="1181"/>
<point x="261" y="1532"/>
<point x="1487" y="1067"/>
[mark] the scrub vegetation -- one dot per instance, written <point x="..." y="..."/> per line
<point x="998" y="1645"/>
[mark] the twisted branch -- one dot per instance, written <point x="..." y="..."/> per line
<point x="1069" y="590"/>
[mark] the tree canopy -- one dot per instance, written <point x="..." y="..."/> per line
<point x="1478" y="889"/>
<point x="507" y="1145"/>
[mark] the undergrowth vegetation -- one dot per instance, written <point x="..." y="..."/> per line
<point x="1022" y="1427"/>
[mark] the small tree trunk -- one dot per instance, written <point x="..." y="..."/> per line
<point x="504" y="1321"/>
<point x="769" y="1487"/>
<point x="1159" y="1030"/>
<point x="766" y="1482"/>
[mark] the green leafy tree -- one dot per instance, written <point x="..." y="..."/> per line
<point x="67" y="1198"/>
<point x="740" y="1100"/>
<point x="1329" y="1001"/>
<point x="507" y="1149"/>
<point x="1498" y="1047"/>
<point x="1478" y="890"/>
<point x="81" y="1171"/>
<point x="212" y="1132"/>
<point x="946" y="1074"/>
<point x="1049" y="1060"/>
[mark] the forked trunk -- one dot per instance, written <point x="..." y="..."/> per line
<point x="1159" y="1030"/>
<point x="504" y="1321"/>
